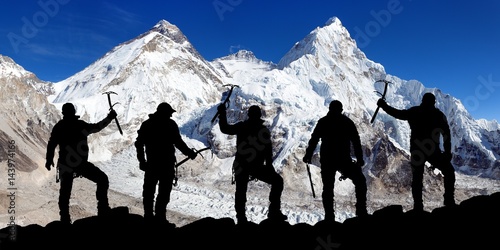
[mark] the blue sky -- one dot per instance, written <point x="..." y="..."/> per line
<point x="450" y="45"/>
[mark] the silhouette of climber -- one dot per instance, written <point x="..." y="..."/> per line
<point x="253" y="160"/>
<point x="156" y="141"/>
<point x="428" y="125"/>
<point x="70" y="134"/>
<point x="338" y="133"/>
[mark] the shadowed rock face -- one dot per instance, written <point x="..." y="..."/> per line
<point x="26" y="115"/>
<point x="387" y="228"/>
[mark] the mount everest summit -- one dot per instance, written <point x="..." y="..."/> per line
<point x="161" y="65"/>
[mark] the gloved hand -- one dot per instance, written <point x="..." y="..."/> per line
<point x="143" y="166"/>
<point x="192" y="155"/>
<point x="381" y="103"/>
<point x="48" y="164"/>
<point x="112" y="114"/>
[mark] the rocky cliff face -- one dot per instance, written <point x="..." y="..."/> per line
<point x="27" y="116"/>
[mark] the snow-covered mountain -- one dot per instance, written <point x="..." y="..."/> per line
<point x="161" y="65"/>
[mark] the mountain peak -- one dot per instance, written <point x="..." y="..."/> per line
<point x="332" y="40"/>
<point x="163" y="25"/>
<point x="9" y="68"/>
<point x="243" y="54"/>
<point x="333" y="20"/>
<point x="247" y="56"/>
<point x="170" y="30"/>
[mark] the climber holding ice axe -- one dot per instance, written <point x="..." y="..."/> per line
<point x="337" y="133"/>
<point x="157" y="140"/>
<point x="430" y="131"/>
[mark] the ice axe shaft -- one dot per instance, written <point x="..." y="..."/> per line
<point x="108" y="93"/>
<point x="382" y="96"/>
<point x="310" y="179"/>
<point x="187" y="158"/>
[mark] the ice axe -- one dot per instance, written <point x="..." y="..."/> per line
<point x="382" y="96"/>
<point x="186" y="159"/>
<point x="310" y="180"/>
<point x="226" y="100"/>
<point x="108" y="93"/>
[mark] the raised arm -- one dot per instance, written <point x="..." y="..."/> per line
<point x="96" y="127"/>
<point x="223" y="125"/>
<point x="396" y="113"/>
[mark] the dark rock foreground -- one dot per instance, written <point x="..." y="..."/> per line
<point x="472" y="224"/>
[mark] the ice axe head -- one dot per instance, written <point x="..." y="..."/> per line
<point x="382" y="95"/>
<point x="230" y="91"/>
<point x="108" y="93"/>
